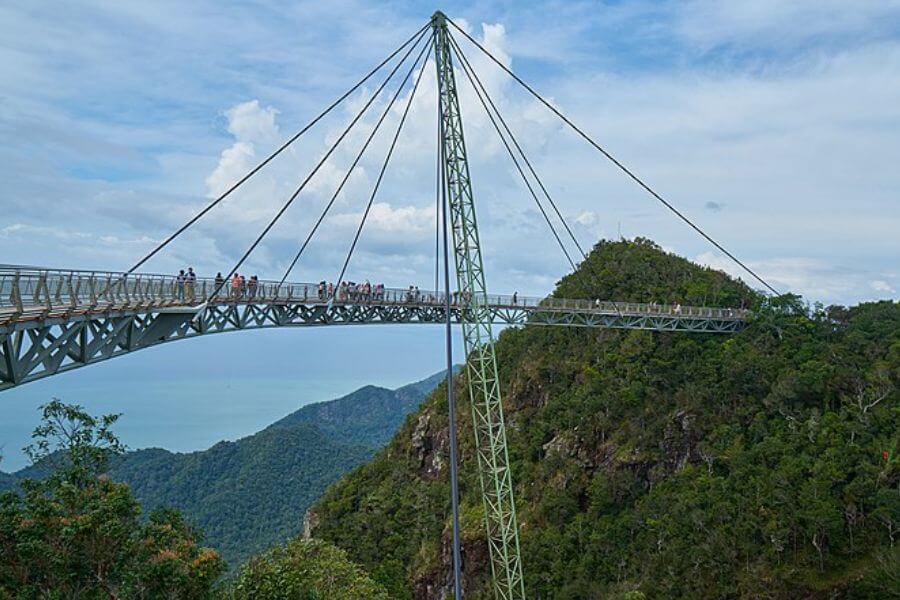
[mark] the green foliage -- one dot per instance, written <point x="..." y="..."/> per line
<point x="86" y="442"/>
<point x="639" y="271"/>
<point x="881" y="580"/>
<point x="665" y="464"/>
<point x="77" y="534"/>
<point x="305" y="570"/>
<point x="245" y="495"/>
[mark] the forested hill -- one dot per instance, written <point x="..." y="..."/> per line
<point x="368" y="416"/>
<point x="252" y="493"/>
<point x="757" y="465"/>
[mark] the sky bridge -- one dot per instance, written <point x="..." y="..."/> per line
<point x="52" y="321"/>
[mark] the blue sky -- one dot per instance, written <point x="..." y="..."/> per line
<point x="774" y="124"/>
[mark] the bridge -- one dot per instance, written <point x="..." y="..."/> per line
<point x="53" y="321"/>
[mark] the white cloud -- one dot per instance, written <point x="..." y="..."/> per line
<point x="815" y="279"/>
<point x="404" y="222"/>
<point x="880" y="285"/>
<point x="587" y="218"/>
<point x="249" y="122"/>
<point x="251" y="125"/>
<point x="234" y="162"/>
<point x="24" y="230"/>
<point x="493" y="38"/>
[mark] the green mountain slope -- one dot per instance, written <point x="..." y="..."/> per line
<point x="252" y="493"/>
<point x="244" y="495"/>
<point x="369" y="416"/>
<point x="757" y="465"/>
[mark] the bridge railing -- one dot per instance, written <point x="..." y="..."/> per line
<point x="628" y="308"/>
<point x="36" y="293"/>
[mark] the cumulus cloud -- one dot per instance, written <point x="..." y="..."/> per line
<point x="250" y="124"/>
<point x="235" y="160"/>
<point x="493" y="38"/>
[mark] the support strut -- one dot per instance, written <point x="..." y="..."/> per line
<point x="478" y="338"/>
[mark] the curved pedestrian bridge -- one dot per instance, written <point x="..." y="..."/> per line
<point x="53" y="321"/>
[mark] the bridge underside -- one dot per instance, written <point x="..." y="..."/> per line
<point x="36" y="348"/>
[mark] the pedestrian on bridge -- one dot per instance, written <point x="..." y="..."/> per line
<point x="252" y="285"/>
<point x="236" y="286"/>
<point x="220" y="282"/>
<point x="190" y="279"/>
<point x="179" y="284"/>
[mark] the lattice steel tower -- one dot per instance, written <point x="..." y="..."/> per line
<point x="481" y="370"/>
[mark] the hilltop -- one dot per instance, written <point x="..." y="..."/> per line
<point x="673" y="465"/>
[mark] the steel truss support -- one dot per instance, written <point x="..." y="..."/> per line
<point x="476" y="317"/>
<point x="35" y="348"/>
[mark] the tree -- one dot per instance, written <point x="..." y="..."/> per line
<point x="78" y="534"/>
<point x="305" y="570"/>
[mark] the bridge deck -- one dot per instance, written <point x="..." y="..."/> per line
<point x="54" y="321"/>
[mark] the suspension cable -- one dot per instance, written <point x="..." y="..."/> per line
<point x="387" y="160"/>
<point x="416" y="36"/>
<point x="615" y="161"/>
<point x="321" y="162"/>
<point x="516" y="163"/>
<point x="473" y="79"/>
<point x="359" y="156"/>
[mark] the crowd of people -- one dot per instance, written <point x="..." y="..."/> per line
<point x="239" y="287"/>
<point x="350" y="291"/>
<point x="356" y="292"/>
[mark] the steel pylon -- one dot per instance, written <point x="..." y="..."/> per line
<point x="478" y="338"/>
